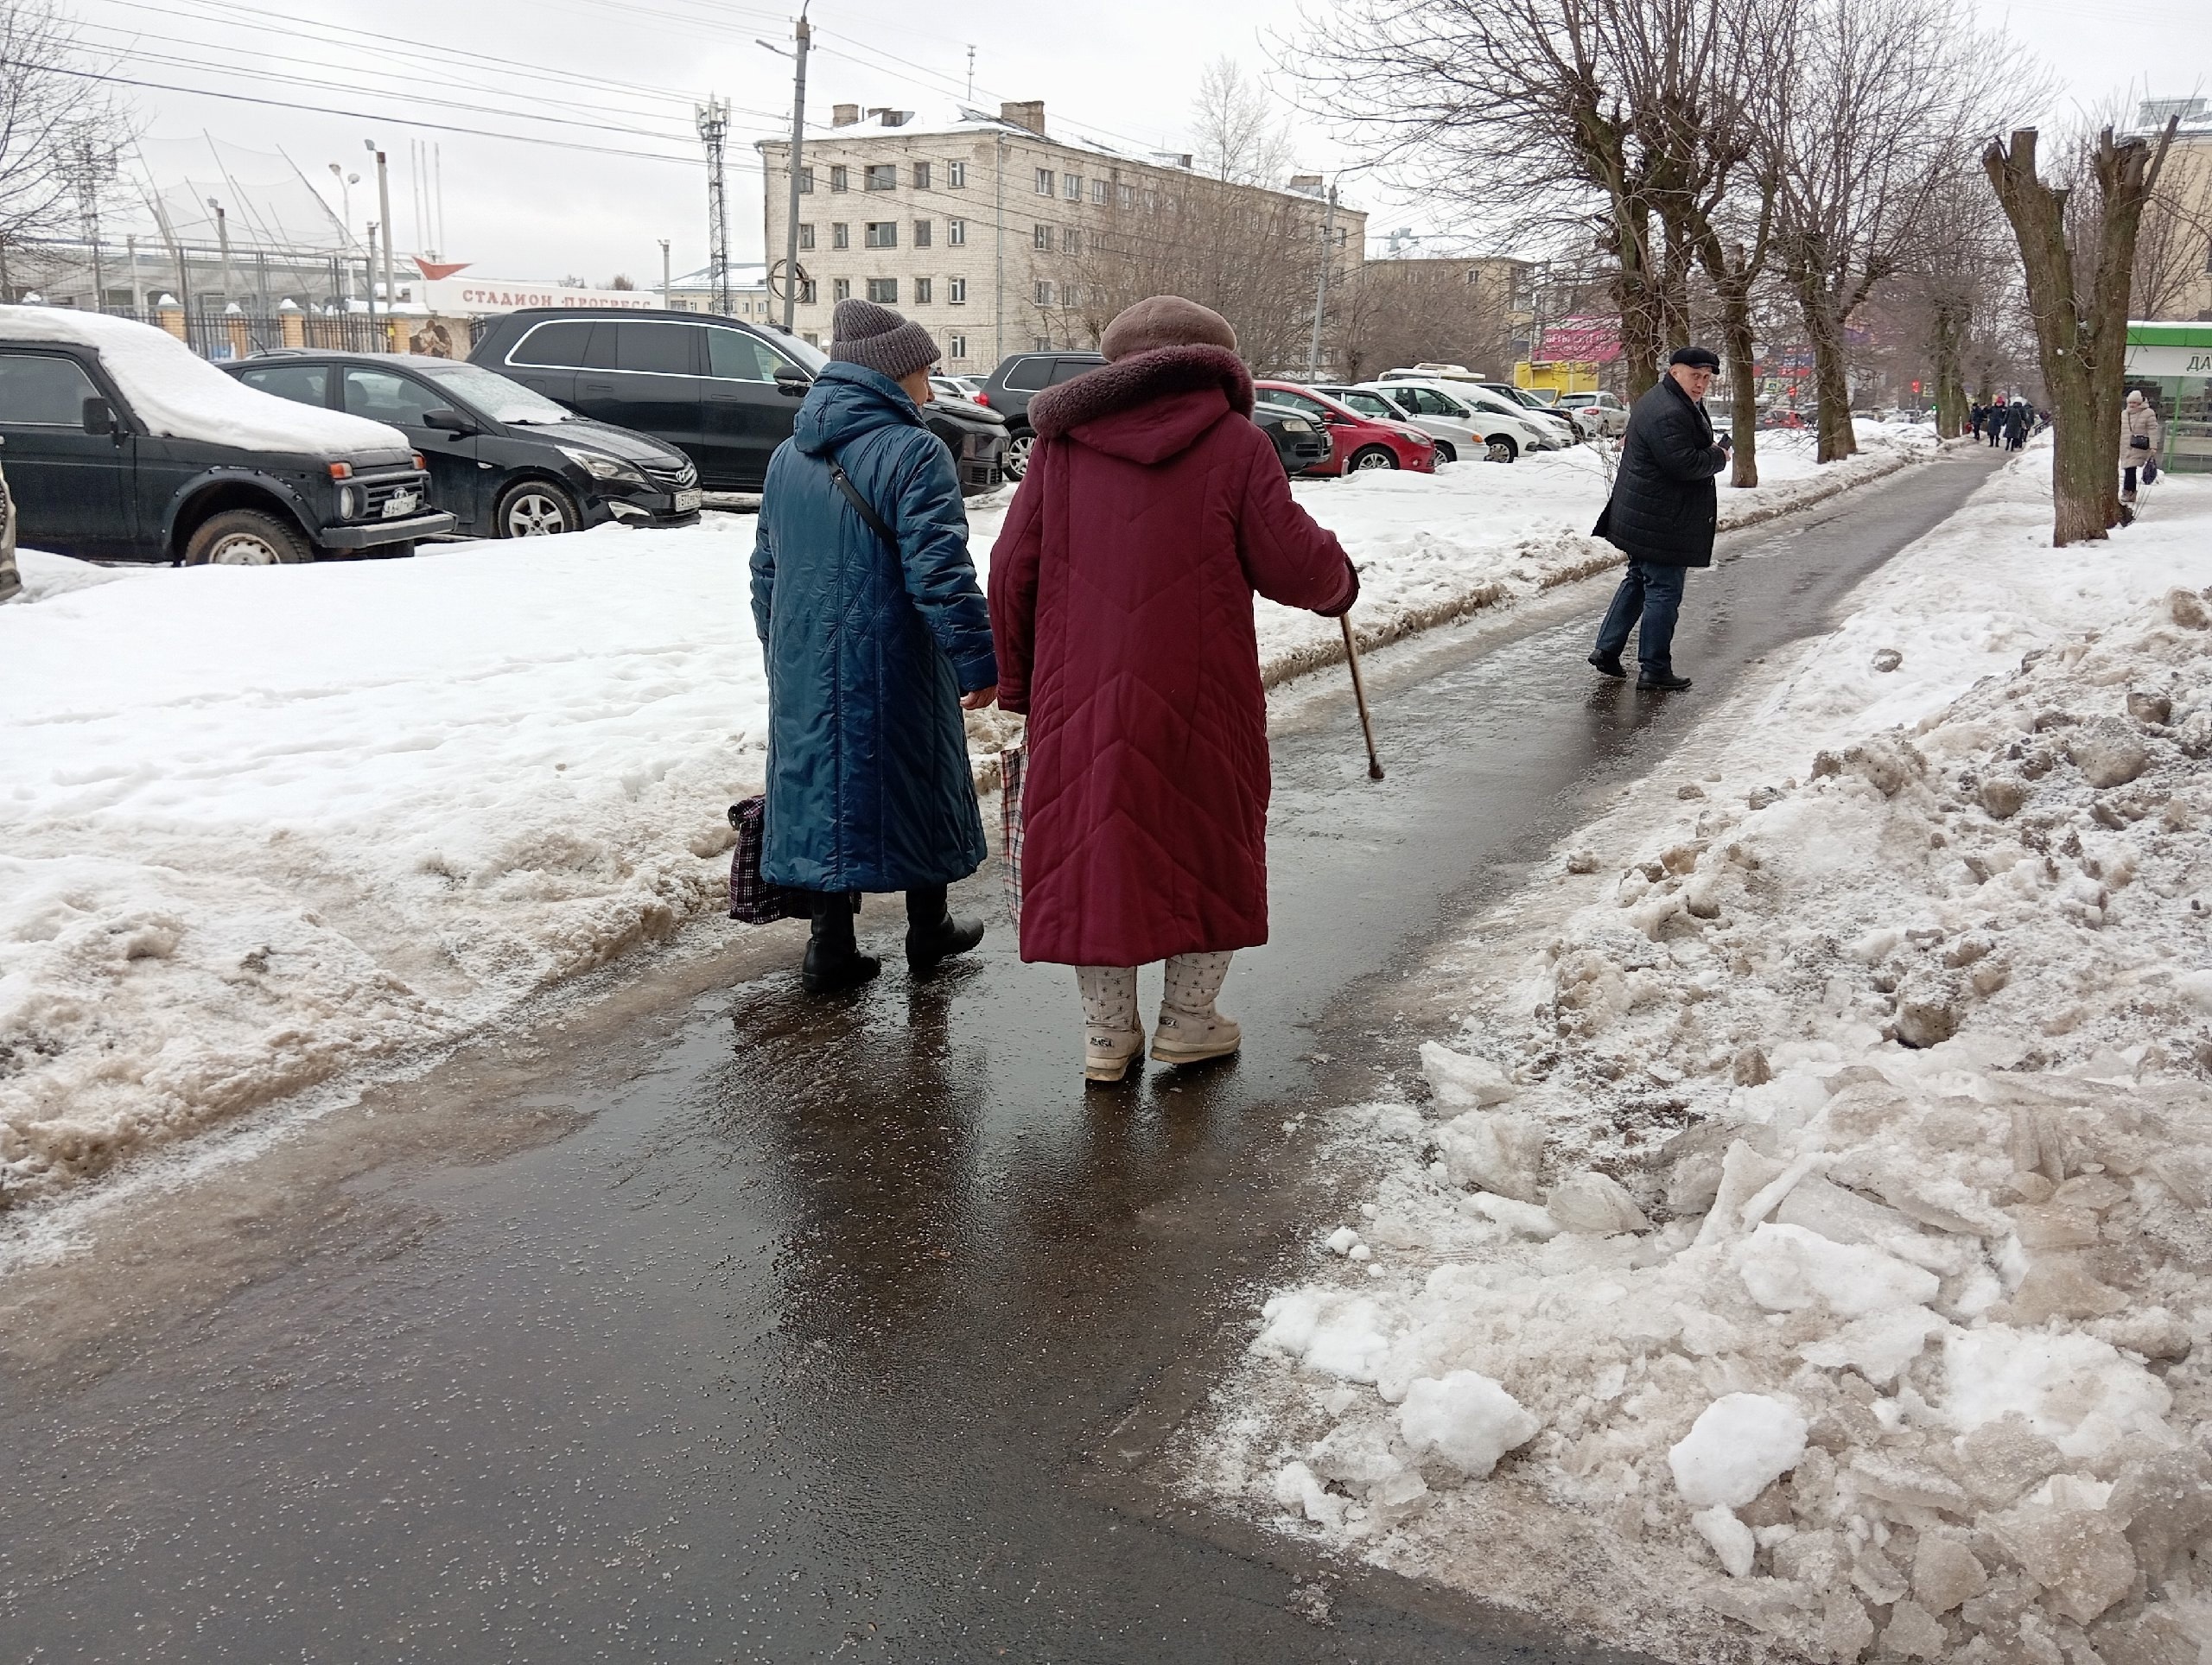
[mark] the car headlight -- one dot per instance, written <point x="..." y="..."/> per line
<point x="600" y="466"/>
<point x="349" y="503"/>
<point x="1294" y="425"/>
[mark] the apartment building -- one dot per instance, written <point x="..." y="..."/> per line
<point x="1002" y="238"/>
<point x="2173" y="251"/>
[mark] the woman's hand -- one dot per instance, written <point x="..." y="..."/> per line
<point x="981" y="698"/>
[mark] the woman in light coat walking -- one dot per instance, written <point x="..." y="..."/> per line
<point x="2139" y="440"/>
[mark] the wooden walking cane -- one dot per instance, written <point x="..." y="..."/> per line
<point x="1359" y="693"/>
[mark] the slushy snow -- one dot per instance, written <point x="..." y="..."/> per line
<point x="1895" y="1034"/>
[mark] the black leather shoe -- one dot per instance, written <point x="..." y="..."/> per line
<point x="1605" y="667"/>
<point x="1670" y="683"/>
<point x="826" y="972"/>
<point x="949" y="937"/>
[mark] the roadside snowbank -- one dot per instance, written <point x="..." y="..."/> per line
<point x="1812" y="1209"/>
<point x="260" y="826"/>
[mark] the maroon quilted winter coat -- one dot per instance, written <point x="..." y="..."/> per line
<point x="1122" y="607"/>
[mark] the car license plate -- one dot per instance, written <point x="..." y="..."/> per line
<point x="686" y="501"/>
<point x="399" y="503"/>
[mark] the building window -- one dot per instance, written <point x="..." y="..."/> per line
<point x="1041" y="237"/>
<point x="1044" y="292"/>
<point x="841" y="289"/>
<point x="840" y="235"/>
<point x="807" y="296"/>
<point x="922" y="287"/>
<point x="956" y="291"/>
<point x="956" y="175"/>
<point x="1071" y="241"/>
<point x="956" y="346"/>
<point x="1071" y="186"/>
<point x="921" y="234"/>
<point x="881" y="234"/>
<point x="1043" y="182"/>
<point x="921" y="176"/>
<point x="956" y="233"/>
<point x="879" y="176"/>
<point x="1041" y="344"/>
<point x="805" y="235"/>
<point x="840" y="180"/>
<point x="1129" y="196"/>
<point x="1098" y="190"/>
<point x="806" y="181"/>
<point x="884" y="292"/>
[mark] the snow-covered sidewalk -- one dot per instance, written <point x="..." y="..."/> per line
<point x="1807" y="1224"/>
<point x="258" y="827"/>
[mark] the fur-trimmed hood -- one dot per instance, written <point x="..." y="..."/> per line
<point x="1197" y="385"/>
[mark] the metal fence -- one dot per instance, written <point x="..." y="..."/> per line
<point x="221" y="335"/>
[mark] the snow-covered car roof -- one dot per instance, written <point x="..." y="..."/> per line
<point x="179" y="395"/>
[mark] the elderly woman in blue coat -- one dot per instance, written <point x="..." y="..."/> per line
<point x="877" y="637"/>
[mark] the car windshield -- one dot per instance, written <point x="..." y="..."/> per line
<point x="494" y="394"/>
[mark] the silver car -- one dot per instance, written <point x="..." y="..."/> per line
<point x="1602" y="411"/>
<point x="1457" y="408"/>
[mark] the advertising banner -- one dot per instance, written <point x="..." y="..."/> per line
<point x="479" y="297"/>
<point x="1595" y="340"/>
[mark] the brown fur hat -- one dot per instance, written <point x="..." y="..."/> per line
<point x="1165" y="320"/>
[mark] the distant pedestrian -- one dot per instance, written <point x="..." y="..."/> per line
<point x="1994" y="424"/>
<point x="1121" y="596"/>
<point x="2015" y="425"/>
<point x="1662" y="515"/>
<point x="1974" y="414"/>
<point x="877" y="637"/>
<point x="2138" y="440"/>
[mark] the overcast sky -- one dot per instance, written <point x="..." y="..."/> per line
<point x="622" y="75"/>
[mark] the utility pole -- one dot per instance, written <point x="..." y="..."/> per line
<point x="383" y="209"/>
<point x="372" y="274"/>
<point x="998" y="295"/>
<point x="666" y="284"/>
<point x="804" y="34"/>
<point x="1321" y="286"/>
<point x="713" y="128"/>
<point x="223" y="243"/>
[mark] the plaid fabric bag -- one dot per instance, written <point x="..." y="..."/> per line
<point x="1011" y="762"/>
<point x="753" y="899"/>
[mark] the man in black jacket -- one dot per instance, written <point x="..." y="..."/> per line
<point x="1661" y="516"/>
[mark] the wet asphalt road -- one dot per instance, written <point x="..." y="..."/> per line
<point x="809" y="1331"/>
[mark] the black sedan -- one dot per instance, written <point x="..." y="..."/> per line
<point x="507" y="462"/>
<point x="1300" y="442"/>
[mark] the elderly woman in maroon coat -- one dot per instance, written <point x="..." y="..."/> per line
<point x="1122" y="606"/>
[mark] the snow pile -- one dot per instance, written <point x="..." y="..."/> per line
<point x="180" y="396"/>
<point x="1828" y="1175"/>
<point x="261" y="826"/>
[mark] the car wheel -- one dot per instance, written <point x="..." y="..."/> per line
<point x="1372" y="456"/>
<point x="534" y="509"/>
<point x="246" y="537"/>
<point x="1503" y="449"/>
<point x="1016" y="462"/>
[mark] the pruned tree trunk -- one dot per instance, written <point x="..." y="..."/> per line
<point x="1949" y="342"/>
<point x="1831" y="375"/>
<point x="2081" y="337"/>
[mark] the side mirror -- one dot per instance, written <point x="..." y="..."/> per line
<point x="98" y="417"/>
<point x="449" y="422"/>
<point x="792" y="382"/>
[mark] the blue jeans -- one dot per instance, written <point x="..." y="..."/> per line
<point x="1653" y="594"/>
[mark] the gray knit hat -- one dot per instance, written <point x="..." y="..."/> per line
<point x="862" y="333"/>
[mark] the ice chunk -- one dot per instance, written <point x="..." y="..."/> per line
<point x="1529" y="1219"/>
<point x="1397" y="1499"/>
<point x="1356" y="1454"/>
<point x="2066" y="1541"/>
<point x="1787" y="1267"/>
<point x="2166" y="1499"/>
<point x="1340" y="1241"/>
<point x="1731" y="1539"/>
<point x="1297" y="1487"/>
<point x="1819" y="1204"/>
<point x="1594" y="1204"/>
<point x="2072" y="1389"/>
<point x="1898" y="1480"/>
<point x="1496" y="1150"/>
<point x="1878" y="1345"/>
<point x="1739" y="1445"/>
<point x="1912" y="1633"/>
<point x="2000" y="1461"/>
<point x="2059" y="1287"/>
<point x="1460" y="1080"/>
<point x="1744" y="1174"/>
<point x="1465" y="1419"/>
<point x="1338" y="1335"/>
<point x="1945" y="1572"/>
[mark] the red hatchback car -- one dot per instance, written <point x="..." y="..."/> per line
<point x="1357" y="441"/>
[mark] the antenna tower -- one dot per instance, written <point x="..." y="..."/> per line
<point x="714" y="130"/>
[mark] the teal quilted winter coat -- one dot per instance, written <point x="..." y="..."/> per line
<point x="868" y="648"/>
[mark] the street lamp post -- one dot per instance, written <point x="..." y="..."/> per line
<point x="372" y="274"/>
<point x="345" y="183"/>
<point x="383" y="212"/>
<point x="666" y="282"/>
<point x="223" y="242"/>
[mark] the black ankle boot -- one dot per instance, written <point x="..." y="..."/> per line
<point x="834" y="960"/>
<point x="932" y="934"/>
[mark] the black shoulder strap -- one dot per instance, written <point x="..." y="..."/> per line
<point x="876" y="522"/>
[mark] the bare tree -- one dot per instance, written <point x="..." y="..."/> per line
<point x="2078" y="252"/>
<point x="1880" y="117"/>
<point x="51" y="120"/>
<point x="1402" y="311"/>
<point x="1235" y="131"/>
